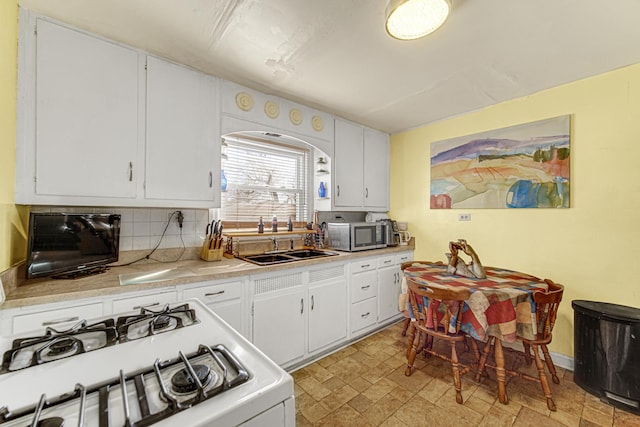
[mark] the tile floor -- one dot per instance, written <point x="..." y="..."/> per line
<point x="364" y="385"/>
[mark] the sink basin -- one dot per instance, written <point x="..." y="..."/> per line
<point x="267" y="259"/>
<point x="290" y="256"/>
<point x="309" y="253"/>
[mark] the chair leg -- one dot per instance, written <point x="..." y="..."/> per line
<point x="455" y="367"/>
<point x="501" y="372"/>
<point x="550" y="365"/>
<point x="527" y="353"/>
<point x="483" y="359"/>
<point x="411" y="357"/>
<point x="542" y="378"/>
<point x="412" y="336"/>
<point x="405" y="326"/>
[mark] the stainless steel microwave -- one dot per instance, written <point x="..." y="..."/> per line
<point x="355" y="236"/>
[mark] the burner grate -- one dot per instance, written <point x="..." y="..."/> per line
<point x="141" y="398"/>
<point x="58" y="344"/>
<point x="150" y="322"/>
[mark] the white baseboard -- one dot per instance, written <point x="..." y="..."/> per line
<point x="562" y="361"/>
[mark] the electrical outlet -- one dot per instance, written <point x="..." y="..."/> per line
<point x="464" y="217"/>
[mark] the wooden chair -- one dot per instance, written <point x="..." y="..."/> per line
<point x="427" y="327"/>
<point x="547" y="303"/>
<point x="407" y="319"/>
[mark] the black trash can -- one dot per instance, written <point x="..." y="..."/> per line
<point x="607" y="352"/>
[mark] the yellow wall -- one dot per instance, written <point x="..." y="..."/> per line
<point x="593" y="247"/>
<point x="12" y="230"/>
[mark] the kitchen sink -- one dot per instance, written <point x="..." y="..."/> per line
<point x="290" y="256"/>
<point x="309" y="253"/>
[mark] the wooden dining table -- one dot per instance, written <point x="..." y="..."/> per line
<point x="500" y="305"/>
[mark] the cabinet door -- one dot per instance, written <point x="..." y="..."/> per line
<point x="230" y="312"/>
<point x="347" y="161"/>
<point x="182" y="153"/>
<point x="87" y="115"/>
<point x="376" y="169"/>
<point x="327" y="314"/>
<point x="389" y="279"/>
<point x="279" y="326"/>
<point x="224" y="299"/>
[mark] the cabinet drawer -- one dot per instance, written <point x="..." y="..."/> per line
<point x="364" y="285"/>
<point x="404" y="257"/>
<point x="386" y="261"/>
<point x="153" y="302"/>
<point x="363" y="314"/>
<point x="364" y="265"/>
<point x="215" y="293"/>
<point x="58" y="319"/>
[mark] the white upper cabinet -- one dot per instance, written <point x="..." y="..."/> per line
<point x="95" y="128"/>
<point x="376" y="170"/>
<point x="182" y="146"/>
<point x="348" y="167"/>
<point x="85" y="118"/>
<point x="361" y="168"/>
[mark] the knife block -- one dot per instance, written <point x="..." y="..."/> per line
<point x="211" y="254"/>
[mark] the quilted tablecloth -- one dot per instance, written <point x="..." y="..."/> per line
<point x="500" y="305"/>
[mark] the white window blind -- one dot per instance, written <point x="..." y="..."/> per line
<point x="264" y="178"/>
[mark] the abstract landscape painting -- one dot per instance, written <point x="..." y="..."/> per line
<point x="523" y="166"/>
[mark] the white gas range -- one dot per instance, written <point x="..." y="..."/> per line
<point x="178" y="366"/>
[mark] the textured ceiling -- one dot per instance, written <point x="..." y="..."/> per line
<point x="334" y="55"/>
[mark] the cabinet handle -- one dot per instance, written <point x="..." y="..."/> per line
<point x="210" y="179"/>
<point x="387" y="261"/>
<point x="365" y="287"/>
<point x="366" y="314"/>
<point x="312" y="303"/>
<point x="366" y="193"/>
<point x="365" y="265"/>
<point x="54" y="322"/>
<point x="130" y="171"/>
<point x="146" y="305"/>
<point x="301" y="305"/>
<point x="337" y="191"/>
<point x="212" y="294"/>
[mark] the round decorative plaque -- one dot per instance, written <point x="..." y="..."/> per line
<point x="295" y="116"/>
<point x="317" y="123"/>
<point x="271" y="109"/>
<point x="244" y="101"/>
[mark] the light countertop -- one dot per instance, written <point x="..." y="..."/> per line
<point x="189" y="269"/>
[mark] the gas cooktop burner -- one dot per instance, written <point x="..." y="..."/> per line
<point x="150" y="322"/>
<point x="81" y="338"/>
<point x="139" y="398"/>
<point x="183" y="382"/>
<point x="57" y="344"/>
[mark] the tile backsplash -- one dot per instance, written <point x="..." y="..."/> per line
<point x="142" y="228"/>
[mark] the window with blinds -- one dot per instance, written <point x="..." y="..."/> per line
<point x="263" y="178"/>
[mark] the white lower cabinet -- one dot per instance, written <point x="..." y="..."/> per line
<point x="279" y="325"/>
<point x="389" y="280"/>
<point x="301" y="313"/>
<point x="364" y="296"/>
<point x="224" y="299"/>
<point x="327" y="307"/>
<point x="389" y="283"/>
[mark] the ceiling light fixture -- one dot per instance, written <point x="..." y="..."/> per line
<point x="412" y="19"/>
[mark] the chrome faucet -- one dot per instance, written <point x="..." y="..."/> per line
<point x="275" y="243"/>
